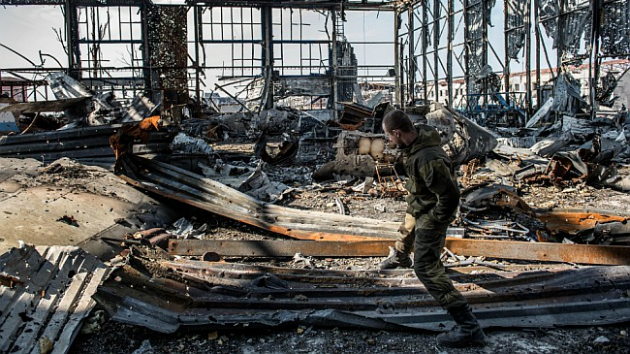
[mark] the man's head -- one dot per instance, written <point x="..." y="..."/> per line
<point x="399" y="129"/>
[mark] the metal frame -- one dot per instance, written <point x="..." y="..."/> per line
<point x="434" y="42"/>
<point x="431" y="18"/>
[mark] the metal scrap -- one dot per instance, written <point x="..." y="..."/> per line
<point x="541" y="251"/>
<point x="193" y="189"/>
<point x="462" y="139"/>
<point x="223" y="295"/>
<point x="49" y="299"/>
<point x="595" y="226"/>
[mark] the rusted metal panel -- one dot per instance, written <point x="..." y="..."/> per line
<point x="542" y="251"/>
<point x="51" y="296"/>
<point x="280" y="248"/>
<point x="575" y="221"/>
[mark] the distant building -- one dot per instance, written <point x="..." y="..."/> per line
<point x="518" y="82"/>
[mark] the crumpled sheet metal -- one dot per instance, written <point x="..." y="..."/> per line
<point x="567" y="94"/>
<point x="186" y="144"/>
<point x="615" y="29"/>
<point x="587" y="164"/>
<point x="204" y="193"/>
<point x="535" y="299"/>
<point x="516" y="23"/>
<point x="462" y="139"/>
<point x="496" y="195"/>
<point x="577" y="24"/>
<point x="474" y="41"/>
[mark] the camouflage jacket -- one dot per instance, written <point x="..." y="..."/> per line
<point x="433" y="193"/>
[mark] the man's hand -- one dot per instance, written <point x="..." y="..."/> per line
<point x="407" y="225"/>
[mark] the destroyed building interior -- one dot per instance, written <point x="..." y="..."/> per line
<point x="213" y="176"/>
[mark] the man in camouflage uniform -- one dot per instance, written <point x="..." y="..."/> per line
<point x="432" y="202"/>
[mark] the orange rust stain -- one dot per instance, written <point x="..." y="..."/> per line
<point x="576" y="222"/>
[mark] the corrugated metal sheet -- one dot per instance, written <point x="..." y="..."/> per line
<point x="45" y="294"/>
<point x="199" y="294"/>
<point x="78" y="143"/>
<point x="196" y="190"/>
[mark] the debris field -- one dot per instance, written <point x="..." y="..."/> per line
<point x="209" y="192"/>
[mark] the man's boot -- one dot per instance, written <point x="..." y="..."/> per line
<point x="466" y="333"/>
<point x="395" y="260"/>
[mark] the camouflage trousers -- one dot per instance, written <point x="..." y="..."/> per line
<point x="427" y="265"/>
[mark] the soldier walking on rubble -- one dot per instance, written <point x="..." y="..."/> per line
<point x="432" y="203"/>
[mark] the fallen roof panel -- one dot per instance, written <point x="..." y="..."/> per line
<point x="204" y="193"/>
<point x="222" y="295"/>
<point x="45" y="294"/>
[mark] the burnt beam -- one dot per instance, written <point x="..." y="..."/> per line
<point x="280" y="248"/>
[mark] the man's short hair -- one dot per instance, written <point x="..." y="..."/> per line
<point x="398" y="120"/>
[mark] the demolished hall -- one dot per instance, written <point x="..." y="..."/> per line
<point x="213" y="176"/>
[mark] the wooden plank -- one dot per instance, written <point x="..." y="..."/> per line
<point x="551" y="252"/>
<point x="541" y="251"/>
<point x="82" y="310"/>
<point x="280" y="248"/>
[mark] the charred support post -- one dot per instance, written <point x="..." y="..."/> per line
<point x="449" y="55"/>
<point x="528" y="54"/>
<point x="334" y="64"/>
<point x="596" y="13"/>
<point x="168" y="50"/>
<point x="425" y="41"/>
<point x="267" y="35"/>
<point x="398" y="59"/>
<point x="411" y="87"/>
<point x="72" y="32"/>
<point x="197" y="66"/>
<point x="467" y="53"/>
<point x="436" y="47"/>
<point x="506" y="37"/>
<point x="484" y="45"/>
<point x="537" y="34"/>
<point x="144" y="11"/>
